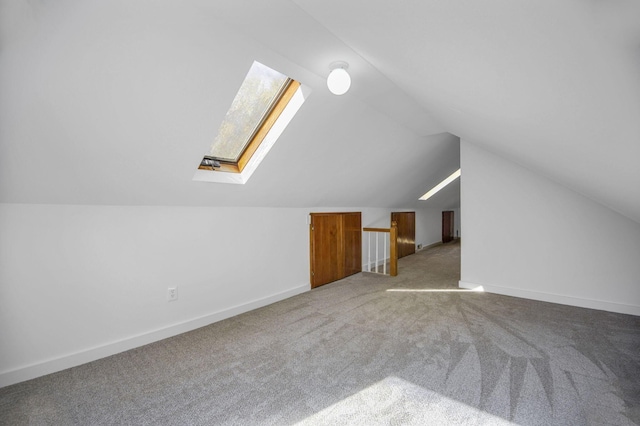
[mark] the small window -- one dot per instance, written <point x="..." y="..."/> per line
<point x="262" y="98"/>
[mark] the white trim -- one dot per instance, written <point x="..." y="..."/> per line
<point x="428" y="246"/>
<point x="601" y="305"/>
<point x="91" y="354"/>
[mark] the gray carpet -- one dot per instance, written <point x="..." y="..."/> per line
<point x="359" y="351"/>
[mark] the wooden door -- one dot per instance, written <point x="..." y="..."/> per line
<point x="326" y="259"/>
<point x="335" y="246"/>
<point x="352" y="231"/>
<point x="406" y="222"/>
<point x="447" y="226"/>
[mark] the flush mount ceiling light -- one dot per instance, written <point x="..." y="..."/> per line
<point x="339" y="80"/>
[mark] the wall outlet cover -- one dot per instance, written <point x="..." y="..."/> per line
<point x="172" y="293"/>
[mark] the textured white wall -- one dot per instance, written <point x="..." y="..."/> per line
<point x="527" y="236"/>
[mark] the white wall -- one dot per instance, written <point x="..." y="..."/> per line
<point x="527" y="236"/>
<point x="81" y="282"/>
<point x="78" y="283"/>
<point x="428" y="226"/>
<point x="428" y="222"/>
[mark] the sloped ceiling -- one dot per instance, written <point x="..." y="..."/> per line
<point x="552" y="85"/>
<point x="115" y="102"/>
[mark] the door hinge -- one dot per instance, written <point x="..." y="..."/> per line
<point x="313" y="274"/>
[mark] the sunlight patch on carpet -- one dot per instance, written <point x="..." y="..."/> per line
<point x="478" y="289"/>
<point x="397" y="401"/>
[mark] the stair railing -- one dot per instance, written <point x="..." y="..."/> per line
<point x="389" y="238"/>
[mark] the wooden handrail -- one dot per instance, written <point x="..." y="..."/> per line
<point x="376" y="230"/>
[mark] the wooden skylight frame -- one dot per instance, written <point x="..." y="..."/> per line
<point x="259" y="134"/>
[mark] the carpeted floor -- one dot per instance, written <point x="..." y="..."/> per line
<point x="366" y="350"/>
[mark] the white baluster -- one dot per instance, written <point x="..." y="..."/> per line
<point x="377" y="234"/>
<point x="369" y="253"/>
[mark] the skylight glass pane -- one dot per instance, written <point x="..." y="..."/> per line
<point x="260" y="89"/>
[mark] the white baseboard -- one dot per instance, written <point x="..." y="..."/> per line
<point x="428" y="246"/>
<point x="601" y="305"/>
<point x="91" y="354"/>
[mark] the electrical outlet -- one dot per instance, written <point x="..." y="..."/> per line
<point x="172" y="293"/>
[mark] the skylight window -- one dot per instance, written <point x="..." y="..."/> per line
<point x="263" y="106"/>
<point x="441" y="185"/>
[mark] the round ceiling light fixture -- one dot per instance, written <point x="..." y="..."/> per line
<point x="339" y="80"/>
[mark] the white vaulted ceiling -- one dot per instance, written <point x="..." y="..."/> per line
<point x="552" y="85"/>
<point x="116" y="102"/>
